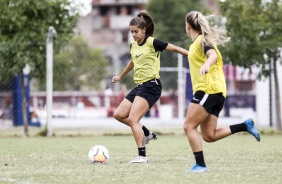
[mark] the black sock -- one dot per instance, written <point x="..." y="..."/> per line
<point x="199" y="157"/>
<point x="238" y="128"/>
<point x="142" y="151"/>
<point x="146" y="131"/>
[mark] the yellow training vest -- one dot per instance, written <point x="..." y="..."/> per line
<point x="146" y="61"/>
<point x="214" y="81"/>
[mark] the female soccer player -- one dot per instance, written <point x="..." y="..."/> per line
<point x="145" y="60"/>
<point x="209" y="88"/>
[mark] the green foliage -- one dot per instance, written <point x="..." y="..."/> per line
<point x="255" y="28"/>
<point x="23" y="32"/>
<point x="169" y="18"/>
<point x="78" y="66"/>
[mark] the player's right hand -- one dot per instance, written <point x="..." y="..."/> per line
<point x="115" y="79"/>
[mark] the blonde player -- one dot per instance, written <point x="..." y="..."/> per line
<point x="209" y="89"/>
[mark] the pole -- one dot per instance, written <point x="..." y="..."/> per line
<point x="181" y="101"/>
<point x="49" y="78"/>
<point x="270" y="94"/>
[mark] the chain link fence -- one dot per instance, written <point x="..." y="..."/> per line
<point x="82" y="88"/>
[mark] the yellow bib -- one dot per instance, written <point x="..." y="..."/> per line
<point x="214" y="81"/>
<point x="146" y="61"/>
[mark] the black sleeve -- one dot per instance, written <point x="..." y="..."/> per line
<point x="207" y="48"/>
<point x="159" y="45"/>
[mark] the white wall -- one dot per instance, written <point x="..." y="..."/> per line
<point x="262" y="103"/>
<point x="120" y="21"/>
<point x="263" y="100"/>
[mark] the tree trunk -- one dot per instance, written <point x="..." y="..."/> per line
<point x="24" y="107"/>
<point x="277" y="94"/>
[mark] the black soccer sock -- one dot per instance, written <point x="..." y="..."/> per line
<point x="199" y="157"/>
<point x="238" y="128"/>
<point x="145" y="130"/>
<point x="142" y="151"/>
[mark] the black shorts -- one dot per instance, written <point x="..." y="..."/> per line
<point x="213" y="103"/>
<point x="150" y="91"/>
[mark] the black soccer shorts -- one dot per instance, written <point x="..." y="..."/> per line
<point x="213" y="103"/>
<point x="150" y="91"/>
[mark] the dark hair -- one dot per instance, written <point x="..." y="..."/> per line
<point x="143" y="20"/>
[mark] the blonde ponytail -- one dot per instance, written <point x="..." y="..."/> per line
<point x="211" y="35"/>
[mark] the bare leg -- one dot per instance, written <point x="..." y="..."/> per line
<point x="122" y="112"/>
<point x="209" y="131"/>
<point x="130" y="114"/>
<point x="139" y="108"/>
<point x="196" y="114"/>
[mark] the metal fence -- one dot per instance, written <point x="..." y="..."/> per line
<point x="82" y="88"/>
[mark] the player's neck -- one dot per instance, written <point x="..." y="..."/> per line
<point x="194" y="35"/>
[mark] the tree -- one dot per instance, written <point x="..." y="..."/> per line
<point x="169" y="19"/>
<point x="78" y="66"/>
<point x="255" y="28"/>
<point x="24" y="26"/>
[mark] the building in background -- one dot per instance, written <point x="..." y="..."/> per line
<point x="107" y="27"/>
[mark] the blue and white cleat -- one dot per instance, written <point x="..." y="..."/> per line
<point x="197" y="168"/>
<point x="252" y="129"/>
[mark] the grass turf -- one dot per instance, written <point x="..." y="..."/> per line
<point x="61" y="159"/>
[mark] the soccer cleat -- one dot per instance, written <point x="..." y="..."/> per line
<point x="140" y="159"/>
<point x="251" y="128"/>
<point x="197" y="168"/>
<point x="151" y="136"/>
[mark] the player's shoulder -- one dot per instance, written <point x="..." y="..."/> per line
<point x="151" y="38"/>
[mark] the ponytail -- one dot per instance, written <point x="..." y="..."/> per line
<point x="143" y="20"/>
<point x="211" y="35"/>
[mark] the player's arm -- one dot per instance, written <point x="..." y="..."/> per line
<point x="161" y="46"/>
<point x="127" y="69"/>
<point x="211" y="59"/>
<point x="175" y="48"/>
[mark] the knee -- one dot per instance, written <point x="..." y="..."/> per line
<point x="186" y="127"/>
<point x="209" y="138"/>
<point x="132" y="121"/>
<point x="118" y="116"/>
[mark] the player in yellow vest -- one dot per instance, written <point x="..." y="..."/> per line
<point x="145" y="60"/>
<point x="209" y="89"/>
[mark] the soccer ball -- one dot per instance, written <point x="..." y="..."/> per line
<point x="98" y="154"/>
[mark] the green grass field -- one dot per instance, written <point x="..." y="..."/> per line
<point x="63" y="159"/>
